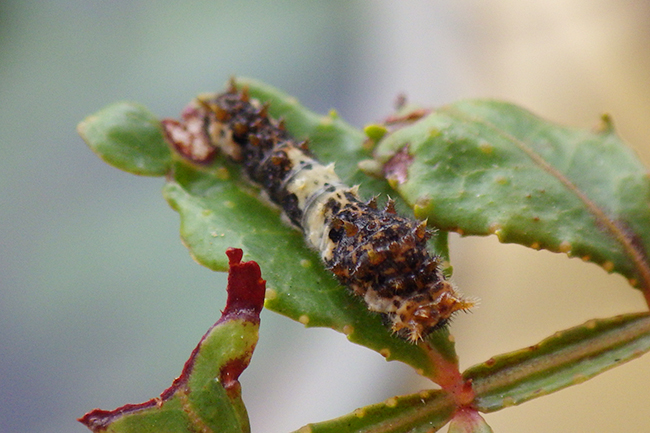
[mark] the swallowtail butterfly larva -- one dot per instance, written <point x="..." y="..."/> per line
<point x="380" y="256"/>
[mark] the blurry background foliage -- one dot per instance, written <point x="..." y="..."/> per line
<point x="101" y="305"/>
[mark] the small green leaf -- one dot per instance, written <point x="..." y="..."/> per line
<point x="567" y="358"/>
<point x="129" y="137"/>
<point x="375" y="132"/>
<point x="487" y="167"/>
<point x="207" y="395"/>
<point x="424" y="412"/>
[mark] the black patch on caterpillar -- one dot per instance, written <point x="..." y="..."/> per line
<point x="378" y="255"/>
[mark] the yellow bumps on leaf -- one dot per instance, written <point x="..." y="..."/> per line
<point x="498" y="231"/>
<point x="421" y="205"/>
<point x="375" y="132"/>
<point x="434" y="132"/>
<point x="486" y="147"/>
<point x="494" y="227"/>
<point x="606" y="125"/>
<point x="391" y="402"/>
<point x="565" y="247"/>
<point x="579" y="378"/>
<point x="359" y="413"/>
<point x="371" y="167"/>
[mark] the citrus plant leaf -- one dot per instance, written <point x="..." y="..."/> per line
<point x="129" y="137"/>
<point x="486" y="167"/>
<point x="567" y="358"/>
<point x="424" y="412"/>
<point x="207" y="395"/>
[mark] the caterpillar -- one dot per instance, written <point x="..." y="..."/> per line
<point x="377" y="254"/>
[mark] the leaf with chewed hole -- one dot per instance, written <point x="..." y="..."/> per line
<point x="207" y="395"/>
<point x="567" y="358"/>
<point x="424" y="412"/>
<point x="488" y="167"/>
<point x="129" y="137"/>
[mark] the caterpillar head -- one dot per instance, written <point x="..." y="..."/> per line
<point x="416" y="318"/>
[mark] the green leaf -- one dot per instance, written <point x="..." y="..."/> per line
<point x="567" y="358"/>
<point x="487" y="167"/>
<point x="207" y="395"/>
<point x="129" y="137"/>
<point x="424" y="412"/>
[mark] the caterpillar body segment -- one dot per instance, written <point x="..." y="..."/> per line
<point x="380" y="256"/>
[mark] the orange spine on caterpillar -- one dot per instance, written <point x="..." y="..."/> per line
<point x="379" y="255"/>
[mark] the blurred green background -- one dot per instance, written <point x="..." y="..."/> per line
<point x="100" y="304"/>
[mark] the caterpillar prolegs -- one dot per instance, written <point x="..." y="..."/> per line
<point x="380" y="256"/>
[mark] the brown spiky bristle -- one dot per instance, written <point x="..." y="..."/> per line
<point x="415" y="320"/>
